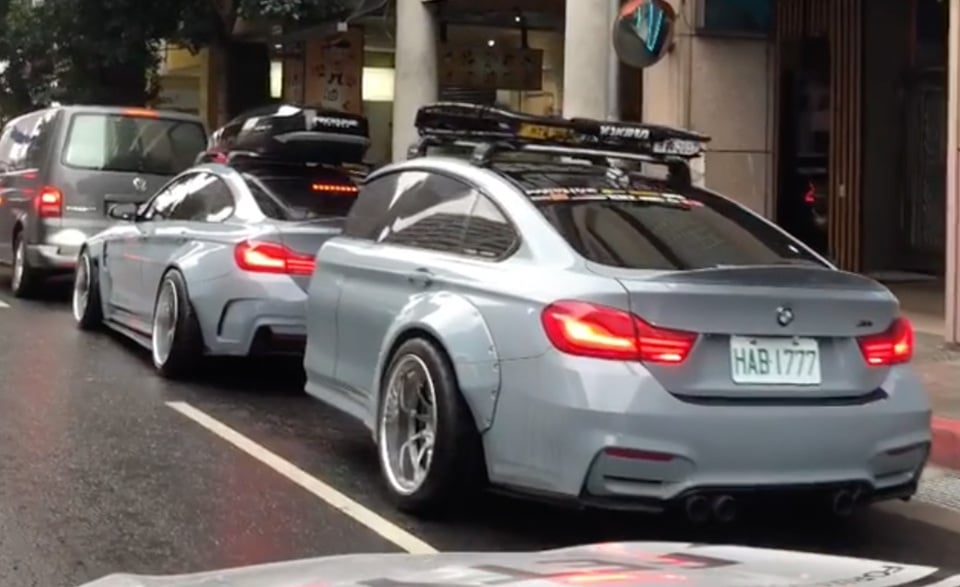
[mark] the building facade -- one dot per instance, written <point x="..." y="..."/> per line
<point x="835" y="118"/>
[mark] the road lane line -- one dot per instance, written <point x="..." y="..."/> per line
<point x="4" y="305"/>
<point x="318" y="488"/>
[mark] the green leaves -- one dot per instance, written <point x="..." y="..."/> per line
<point x="106" y="51"/>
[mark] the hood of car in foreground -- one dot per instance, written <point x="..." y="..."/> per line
<point x="598" y="565"/>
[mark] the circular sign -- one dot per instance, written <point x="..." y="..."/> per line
<point x="643" y="32"/>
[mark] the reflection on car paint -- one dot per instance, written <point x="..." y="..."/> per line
<point x="579" y="570"/>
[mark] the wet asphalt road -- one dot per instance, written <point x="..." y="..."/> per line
<point x="98" y="474"/>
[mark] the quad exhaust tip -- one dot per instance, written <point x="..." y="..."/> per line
<point x="724" y="509"/>
<point x="699" y="509"/>
<point x="845" y="502"/>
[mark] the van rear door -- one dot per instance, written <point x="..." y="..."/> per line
<point x="112" y="157"/>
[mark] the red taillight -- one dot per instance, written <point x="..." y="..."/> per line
<point x="49" y="202"/>
<point x="589" y="330"/>
<point x="810" y="196"/>
<point x="334" y="188"/>
<point x="264" y="257"/>
<point x="888" y="348"/>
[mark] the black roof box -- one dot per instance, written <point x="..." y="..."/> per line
<point x="451" y="122"/>
<point x="293" y="133"/>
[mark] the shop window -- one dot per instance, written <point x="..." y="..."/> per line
<point x="276" y="78"/>
<point x="378" y="84"/>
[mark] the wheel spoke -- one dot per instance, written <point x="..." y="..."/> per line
<point x="408" y="423"/>
<point x="165" y="322"/>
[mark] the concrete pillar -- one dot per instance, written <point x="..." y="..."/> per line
<point x="722" y="87"/>
<point x="614" y="109"/>
<point x="951" y="327"/>
<point x="416" y="71"/>
<point x="586" y="63"/>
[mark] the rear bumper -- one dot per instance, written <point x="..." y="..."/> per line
<point x="53" y="258"/>
<point x="607" y="433"/>
<point x="61" y="241"/>
<point x="258" y="325"/>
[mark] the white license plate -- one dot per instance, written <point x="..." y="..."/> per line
<point x="774" y="361"/>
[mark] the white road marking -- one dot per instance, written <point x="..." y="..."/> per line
<point x="4" y="305"/>
<point x="938" y="497"/>
<point x="339" y="501"/>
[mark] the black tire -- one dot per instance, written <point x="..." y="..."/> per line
<point x="88" y="312"/>
<point x="186" y="348"/>
<point x="457" y="468"/>
<point x="30" y="278"/>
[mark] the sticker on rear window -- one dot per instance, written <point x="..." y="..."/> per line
<point x="611" y="194"/>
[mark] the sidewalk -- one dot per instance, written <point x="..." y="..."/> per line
<point x="940" y="369"/>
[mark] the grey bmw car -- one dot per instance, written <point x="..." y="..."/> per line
<point x="547" y="317"/>
<point x="217" y="261"/>
<point x="601" y="565"/>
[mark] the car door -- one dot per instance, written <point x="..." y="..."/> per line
<point x="424" y="221"/>
<point x="124" y="256"/>
<point x="196" y="219"/>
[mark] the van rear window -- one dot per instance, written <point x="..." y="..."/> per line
<point x="139" y="144"/>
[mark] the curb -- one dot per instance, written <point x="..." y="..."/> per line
<point x="945" y="451"/>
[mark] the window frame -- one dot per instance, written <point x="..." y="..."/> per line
<point x="454" y="252"/>
<point x="518" y="238"/>
<point x="47" y="125"/>
<point x="142" y="214"/>
<point x="70" y="126"/>
<point x="32" y="119"/>
<point x="393" y="173"/>
<point x="234" y="201"/>
<point x="821" y="260"/>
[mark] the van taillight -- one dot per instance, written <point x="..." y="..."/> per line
<point x="49" y="202"/>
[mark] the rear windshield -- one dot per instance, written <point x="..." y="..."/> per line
<point x="138" y="144"/>
<point x="302" y="194"/>
<point x="622" y="219"/>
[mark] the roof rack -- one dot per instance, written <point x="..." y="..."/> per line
<point x="488" y="130"/>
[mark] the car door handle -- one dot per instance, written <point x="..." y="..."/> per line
<point x="421" y="277"/>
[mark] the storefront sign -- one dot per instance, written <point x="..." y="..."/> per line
<point x="491" y="68"/>
<point x="335" y="72"/>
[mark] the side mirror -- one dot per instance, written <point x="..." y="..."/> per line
<point x="126" y="212"/>
<point x="643" y="32"/>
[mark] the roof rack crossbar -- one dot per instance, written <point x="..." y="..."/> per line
<point x="679" y="175"/>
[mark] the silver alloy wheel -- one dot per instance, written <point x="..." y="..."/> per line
<point x="18" y="263"/>
<point x="81" y="288"/>
<point x="408" y="425"/>
<point x="165" y="322"/>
